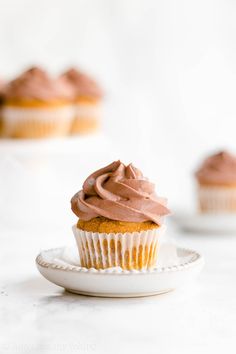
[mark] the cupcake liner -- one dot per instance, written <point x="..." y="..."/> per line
<point x="136" y="250"/>
<point x="84" y="125"/>
<point x="217" y="199"/>
<point x="36" y="122"/>
<point x="88" y="110"/>
<point x="87" y="117"/>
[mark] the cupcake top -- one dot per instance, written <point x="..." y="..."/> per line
<point x="36" y="84"/>
<point x="82" y="84"/>
<point x="2" y="85"/>
<point x="119" y="192"/>
<point x="218" y="169"/>
<point x="2" y="90"/>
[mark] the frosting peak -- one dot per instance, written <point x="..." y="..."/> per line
<point x="35" y="83"/>
<point x="82" y="84"/>
<point x="219" y="169"/>
<point x="119" y="192"/>
<point x="2" y="90"/>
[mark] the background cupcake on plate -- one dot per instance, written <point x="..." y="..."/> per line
<point x="217" y="183"/>
<point x="120" y="219"/>
<point x="2" y="89"/>
<point x="87" y="103"/>
<point x="37" y="106"/>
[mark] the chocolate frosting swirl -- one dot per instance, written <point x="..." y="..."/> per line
<point x="119" y="192"/>
<point x="36" y="84"/>
<point x="218" y="169"/>
<point x="82" y="84"/>
<point x="2" y="90"/>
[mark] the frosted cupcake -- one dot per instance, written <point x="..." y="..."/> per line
<point x="2" y="87"/>
<point x="87" y="103"/>
<point x="37" y="106"/>
<point x="120" y="219"/>
<point x="217" y="184"/>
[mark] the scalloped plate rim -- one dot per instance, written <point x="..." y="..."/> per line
<point x="45" y="264"/>
<point x="123" y="283"/>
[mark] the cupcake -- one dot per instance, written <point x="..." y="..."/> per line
<point x="37" y="106"/>
<point x="87" y="102"/>
<point x="120" y="219"/>
<point x="217" y="184"/>
<point x="2" y="88"/>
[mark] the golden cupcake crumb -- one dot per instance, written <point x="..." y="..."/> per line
<point x="104" y="225"/>
<point x="218" y="184"/>
<point x="24" y="103"/>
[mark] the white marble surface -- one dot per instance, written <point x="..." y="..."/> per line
<point x="39" y="317"/>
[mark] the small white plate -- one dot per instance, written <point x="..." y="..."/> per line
<point x="30" y="147"/>
<point x="176" y="266"/>
<point x="209" y="223"/>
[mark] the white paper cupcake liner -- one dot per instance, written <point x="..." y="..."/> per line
<point x="136" y="250"/>
<point x="54" y="119"/>
<point x="217" y="199"/>
<point x="88" y="110"/>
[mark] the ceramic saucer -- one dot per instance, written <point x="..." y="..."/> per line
<point x="176" y="266"/>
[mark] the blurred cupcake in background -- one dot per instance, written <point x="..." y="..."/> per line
<point x="2" y="89"/>
<point x="217" y="184"/>
<point x="37" y="106"/>
<point x="87" y="102"/>
<point x="120" y="219"/>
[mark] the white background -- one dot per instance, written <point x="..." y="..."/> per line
<point x="169" y="72"/>
<point x="168" y="69"/>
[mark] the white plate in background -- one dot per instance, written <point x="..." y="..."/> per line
<point x="41" y="175"/>
<point x="210" y="223"/>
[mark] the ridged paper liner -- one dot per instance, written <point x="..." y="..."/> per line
<point x="88" y="110"/>
<point x="217" y="199"/>
<point x="36" y="122"/>
<point x="87" y="117"/>
<point x="136" y="250"/>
